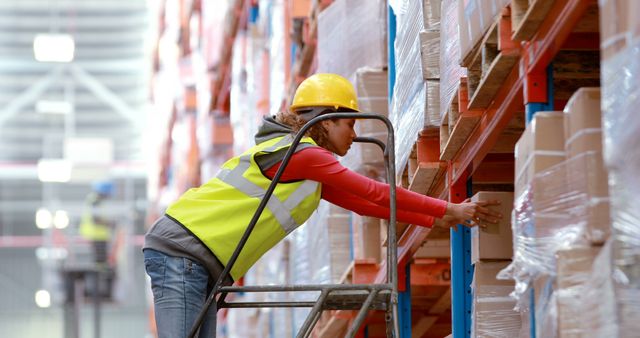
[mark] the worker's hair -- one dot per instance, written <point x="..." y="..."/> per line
<point x="317" y="132"/>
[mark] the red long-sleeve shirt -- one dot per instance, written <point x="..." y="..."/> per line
<point x="358" y="193"/>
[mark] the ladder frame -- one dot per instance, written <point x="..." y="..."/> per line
<point x="372" y="291"/>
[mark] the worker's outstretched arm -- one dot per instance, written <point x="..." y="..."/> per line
<point x="363" y="207"/>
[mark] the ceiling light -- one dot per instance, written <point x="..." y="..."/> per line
<point x="43" y="218"/>
<point x="54" y="170"/>
<point x="53" y="107"/>
<point x="43" y="298"/>
<point x="60" y="219"/>
<point x="53" y="47"/>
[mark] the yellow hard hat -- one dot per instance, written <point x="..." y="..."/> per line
<point x="325" y="90"/>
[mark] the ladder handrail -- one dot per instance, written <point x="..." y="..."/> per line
<point x="392" y="256"/>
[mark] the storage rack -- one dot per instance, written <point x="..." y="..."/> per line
<point x="527" y="87"/>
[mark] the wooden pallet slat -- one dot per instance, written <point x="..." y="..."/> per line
<point x="527" y="17"/>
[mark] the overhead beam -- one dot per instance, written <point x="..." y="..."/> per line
<point x="30" y="94"/>
<point x="117" y="65"/>
<point x="73" y="4"/>
<point x="107" y="96"/>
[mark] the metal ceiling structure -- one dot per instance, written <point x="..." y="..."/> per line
<point x="106" y="84"/>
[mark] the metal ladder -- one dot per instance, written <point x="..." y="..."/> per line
<point x="362" y="297"/>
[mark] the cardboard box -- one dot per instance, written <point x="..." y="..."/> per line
<point x="573" y="271"/>
<point x="432" y="101"/>
<point x="540" y="147"/>
<point x="430" y="52"/>
<point x="373" y="97"/>
<point x="339" y="234"/>
<point x="434" y="248"/>
<point x="492" y="306"/>
<point x="619" y="24"/>
<point x="367" y="232"/>
<point x="431" y="13"/>
<point x="351" y="34"/>
<point x="475" y="17"/>
<point x="587" y="176"/>
<point x="496" y="240"/>
<point x="583" y="122"/>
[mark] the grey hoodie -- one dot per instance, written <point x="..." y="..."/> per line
<point x="271" y="129"/>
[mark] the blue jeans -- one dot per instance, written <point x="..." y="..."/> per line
<point x="180" y="288"/>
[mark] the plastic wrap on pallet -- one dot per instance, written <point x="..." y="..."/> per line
<point x="373" y="97"/>
<point x="320" y="252"/>
<point x="431" y="13"/>
<point x="277" y="81"/>
<point x="242" y="105"/>
<point x="556" y="211"/>
<point x="574" y="270"/>
<point x="586" y="302"/>
<point x="271" y="269"/>
<point x="475" y="18"/>
<point x="546" y="313"/>
<point x="450" y="70"/>
<point x="432" y="111"/>
<point x="621" y="127"/>
<point x="430" y="54"/>
<point x="492" y="307"/>
<point x="352" y="34"/>
<point x="407" y="106"/>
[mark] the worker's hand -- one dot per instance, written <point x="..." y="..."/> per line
<point x="472" y="213"/>
<point x="446" y="222"/>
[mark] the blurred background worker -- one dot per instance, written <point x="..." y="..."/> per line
<point x="94" y="225"/>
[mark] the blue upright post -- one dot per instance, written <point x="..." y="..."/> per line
<point x="404" y="305"/>
<point x="531" y="108"/>
<point x="461" y="272"/>
<point x="391" y="38"/>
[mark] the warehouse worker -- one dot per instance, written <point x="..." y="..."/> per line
<point x="187" y="249"/>
<point x="94" y="226"/>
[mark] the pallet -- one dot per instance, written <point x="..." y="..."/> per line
<point x="491" y="63"/>
<point x="424" y="166"/>
<point x="457" y="124"/>
<point x="527" y="16"/>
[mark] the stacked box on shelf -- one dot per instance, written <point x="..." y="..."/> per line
<point x="351" y="35"/>
<point x="367" y="238"/>
<point x="408" y="103"/>
<point x="366" y="158"/>
<point x="562" y="204"/>
<point x="475" y="17"/>
<point x="430" y="55"/>
<point x="431" y="14"/>
<point x="491" y="251"/>
<point x="540" y="147"/>
<point x="450" y="70"/>
<point x="574" y="268"/>
<point x="620" y="70"/>
<point x="583" y="134"/>
<point x="372" y="90"/>
<point x="273" y="268"/>
<point x="492" y="308"/>
<point x="321" y="251"/>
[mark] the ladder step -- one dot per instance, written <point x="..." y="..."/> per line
<point x="353" y="300"/>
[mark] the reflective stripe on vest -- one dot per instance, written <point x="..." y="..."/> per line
<point x="282" y="210"/>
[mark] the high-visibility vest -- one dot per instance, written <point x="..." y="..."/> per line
<point x="219" y="211"/>
<point x="88" y="228"/>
